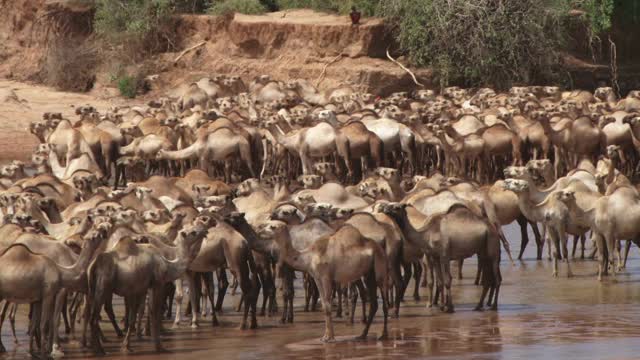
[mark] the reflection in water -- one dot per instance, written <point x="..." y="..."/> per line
<point x="540" y="317"/>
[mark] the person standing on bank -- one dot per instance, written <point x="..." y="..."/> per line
<point x="355" y="16"/>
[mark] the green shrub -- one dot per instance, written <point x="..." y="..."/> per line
<point x="481" y="42"/>
<point x="128" y="86"/>
<point x="135" y="26"/>
<point x="367" y="7"/>
<point x="249" y="7"/>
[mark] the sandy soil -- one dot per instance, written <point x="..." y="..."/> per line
<point x="22" y="103"/>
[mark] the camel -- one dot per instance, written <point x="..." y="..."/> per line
<point x="130" y="271"/>
<point x="193" y="96"/>
<point x="324" y="261"/>
<point x="612" y="217"/>
<point x="222" y="144"/>
<point x="455" y="234"/>
<point x="223" y="247"/>
<point x="395" y="137"/>
<point x="508" y="211"/>
<point x="35" y="278"/>
<point x="318" y="141"/>
<point x="67" y="142"/>
<point x="467" y="152"/>
<point x="553" y="214"/>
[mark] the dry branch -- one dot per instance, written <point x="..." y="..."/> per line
<point x="405" y="69"/>
<point x="184" y="52"/>
<point x="324" y="70"/>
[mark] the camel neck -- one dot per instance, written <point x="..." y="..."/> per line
<point x="73" y="274"/>
<point x="255" y="242"/>
<point x="296" y="259"/>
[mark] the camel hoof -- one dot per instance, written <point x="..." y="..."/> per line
<point x="160" y="349"/>
<point x="243" y="327"/>
<point x="555" y="274"/>
<point x="2" y="349"/>
<point x="327" y="339"/>
<point x="126" y="349"/>
<point x="478" y="308"/>
<point x="56" y="353"/>
<point x="253" y="326"/>
<point x="569" y="275"/>
<point x="194" y="325"/>
<point x="215" y="322"/>
<point x="494" y="307"/>
<point x="383" y="337"/>
<point x="361" y="337"/>
<point x="175" y="326"/>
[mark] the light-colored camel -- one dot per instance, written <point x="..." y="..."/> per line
<point x="35" y="278"/>
<point x="221" y="145"/>
<point x="553" y="214"/>
<point x="193" y="96"/>
<point x="453" y="235"/>
<point x="328" y="263"/>
<point x="130" y="271"/>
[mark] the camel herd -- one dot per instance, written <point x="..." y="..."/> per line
<point x="357" y="194"/>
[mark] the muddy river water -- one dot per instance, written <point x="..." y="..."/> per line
<point x="540" y="317"/>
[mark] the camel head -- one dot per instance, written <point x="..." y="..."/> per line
<point x="171" y="122"/>
<point x="326" y="116"/>
<point x="247" y="187"/>
<point x="516" y="172"/>
<point x="613" y="151"/>
<point x="142" y="191"/>
<point x="369" y="188"/>
<point x="634" y="94"/>
<point x="631" y="119"/>
<point x="322" y="210"/>
<point x="424" y="95"/>
<point x="157" y="216"/>
<point x="220" y="201"/>
<point x="302" y="199"/>
<point x="515" y="185"/>
<point x="191" y="238"/>
<point x="518" y="90"/>
<point x="132" y="131"/>
<point x="566" y="196"/>
<point x="450" y="181"/>
<point x="551" y="90"/>
<point x="603" y="93"/>
<point x="125" y="217"/>
<point x="395" y="210"/>
<point x="605" y="120"/>
<point x="310" y="181"/>
<point x="38" y="128"/>
<point x="393" y="112"/>
<point x="225" y="104"/>
<point x="203" y="221"/>
<point x="540" y="168"/>
<point x="389" y="174"/>
<point x="287" y="212"/>
<point x="271" y="229"/>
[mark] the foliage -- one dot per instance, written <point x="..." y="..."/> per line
<point x="71" y="65"/>
<point x="367" y="7"/>
<point x="250" y="7"/>
<point x="134" y="25"/>
<point x="128" y="86"/>
<point x="598" y="14"/>
<point x="480" y="42"/>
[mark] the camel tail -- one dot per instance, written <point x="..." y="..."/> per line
<point x="505" y="243"/>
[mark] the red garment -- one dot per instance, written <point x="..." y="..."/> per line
<point x="355" y="17"/>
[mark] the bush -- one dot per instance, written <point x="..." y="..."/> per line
<point x="481" y="42"/>
<point x="134" y="26"/>
<point x="128" y="86"/>
<point x="367" y="7"/>
<point x="249" y="7"/>
<point x="71" y="65"/>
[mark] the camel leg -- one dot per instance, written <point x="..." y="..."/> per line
<point x="5" y="306"/>
<point x="208" y="282"/>
<point x="397" y="281"/>
<point x="12" y="322"/>
<point x="325" y="287"/>
<point x="478" y="273"/>
<point x="446" y="276"/>
<point x="408" y="272"/>
<point x="353" y="299"/>
<point x="496" y="281"/>
<point x="57" y="312"/>
<point x="576" y="238"/>
<point x="223" y="284"/>
<point x="131" y="312"/>
<point x="155" y="316"/>
<point x="372" y="288"/>
<point x="583" y="239"/>
<point x="34" y="332"/>
<point x="178" y="299"/>
<point x="485" y="283"/>
<point x="46" y="324"/>
<point x="416" y="280"/>
<point x="524" y="235"/>
<point x="191" y="282"/>
<point x="65" y="317"/>
<point x="564" y="238"/>
<point x="460" y="262"/>
<point x="627" y="247"/>
<point x="556" y="249"/>
<point x="539" y="239"/>
<point x="108" y="308"/>
<point x="429" y="276"/>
